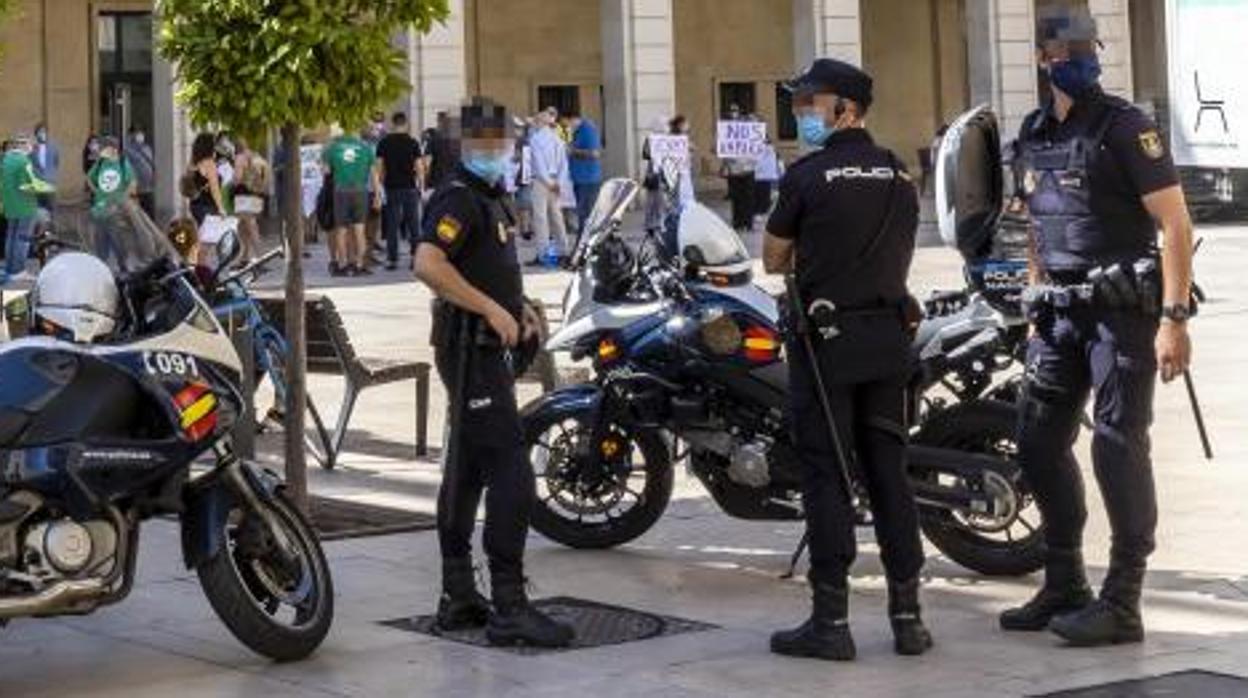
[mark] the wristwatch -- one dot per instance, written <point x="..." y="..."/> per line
<point x="1176" y="313"/>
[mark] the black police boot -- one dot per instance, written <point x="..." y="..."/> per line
<point x="1114" y="618"/>
<point x="826" y="635"/>
<point x="516" y="622"/>
<point x="1065" y="590"/>
<point x="910" y="636"/>
<point x="461" y="606"/>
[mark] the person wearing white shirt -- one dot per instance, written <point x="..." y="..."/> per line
<point x="549" y="164"/>
<point x="767" y="172"/>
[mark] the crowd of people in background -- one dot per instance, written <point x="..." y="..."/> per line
<point x="115" y="170"/>
<point x="366" y="191"/>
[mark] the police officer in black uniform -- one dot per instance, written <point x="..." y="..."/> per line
<point x="845" y="224"/>
<point x="467" y="256"/>
<point x="1107" y="315"/>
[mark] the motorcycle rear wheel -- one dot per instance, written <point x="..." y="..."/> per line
<point x="570" y="512"/>
<point x="988" y="547"/>
<point x="280" y="610"/>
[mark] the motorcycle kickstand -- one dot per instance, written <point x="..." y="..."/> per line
<point x="797" y="556"/>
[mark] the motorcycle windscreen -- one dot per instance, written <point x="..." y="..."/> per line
<point x="706" y="241"/>
<point x="614" y="198"/>
<point x="970" y="183"/>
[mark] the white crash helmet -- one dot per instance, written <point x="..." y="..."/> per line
<point x="77" y="293"/>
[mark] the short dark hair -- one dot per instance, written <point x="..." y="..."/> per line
<point x="204" y="147"/>
<point x="399" y="118"/>
<point x="572" y="114"/>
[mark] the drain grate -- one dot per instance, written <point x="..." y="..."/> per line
<point x="596" y="624"/>
<point x="336" y="519"/>
<point x="1205" y="684"/>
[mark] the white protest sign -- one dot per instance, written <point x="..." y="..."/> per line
<point x="673" y="149"/>
<point x="310" y="176"/>
<point x="310" y="165"/>
<point x="745" y="140"/>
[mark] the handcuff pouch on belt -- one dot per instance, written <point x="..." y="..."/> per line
<point x="827" y="319"/>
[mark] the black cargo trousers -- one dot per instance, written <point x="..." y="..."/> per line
<point x="1076" y="351"/>
<point x="870" y="417"/>
<point x="491" y="459"/>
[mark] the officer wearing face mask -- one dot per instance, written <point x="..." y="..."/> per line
<point x="1109" y="311"/>
<point x="467" y="257"/>
<point x="845" y="225"/>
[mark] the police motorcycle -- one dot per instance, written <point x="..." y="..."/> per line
<point x="689" y="366"/>
<point x="118" y="408"/>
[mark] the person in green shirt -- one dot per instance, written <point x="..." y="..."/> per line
<point x="19" y="192"/>
<point x="111" y="181"/>
<point x="352" y="164"/>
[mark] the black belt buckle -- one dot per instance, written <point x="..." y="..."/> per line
<point x="823" y="317"/>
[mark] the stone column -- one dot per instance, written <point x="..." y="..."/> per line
<point x="1114" y="22"/>
<point x="827" y="29"/>
<point x="1002" y="59"/>
<point x="437" y="69"/>
<point x="639" y="77"/>
<point x="171" y="137"/>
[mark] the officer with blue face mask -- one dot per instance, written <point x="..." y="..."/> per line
<point x="467" y="256"/>
<point x="1110" y="311"/>
<point x="845" y="224"/>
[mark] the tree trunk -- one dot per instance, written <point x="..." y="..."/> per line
<point x="296" y="322"/>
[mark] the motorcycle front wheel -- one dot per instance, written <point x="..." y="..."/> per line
<point x="1009" y="543"/>
<point x="270" y="584"/>
<point x="599" y="502"/>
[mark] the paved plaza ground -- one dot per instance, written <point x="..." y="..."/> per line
<point x="696" y="564"/>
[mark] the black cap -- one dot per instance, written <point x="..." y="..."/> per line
<point x="838" y="77"/>
<point x="1062" y="22"/>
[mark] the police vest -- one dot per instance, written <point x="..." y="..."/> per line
<point x="1057" y="181"/>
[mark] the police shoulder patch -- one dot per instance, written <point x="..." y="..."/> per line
<point x="449" y="229"/>
<point x="1151" y="145"/>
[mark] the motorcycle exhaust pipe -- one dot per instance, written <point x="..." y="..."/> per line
<point x="960" y="465"/>
<point x="56" y="599"/>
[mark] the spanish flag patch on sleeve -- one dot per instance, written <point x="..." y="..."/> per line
<point x="449" y="229"/>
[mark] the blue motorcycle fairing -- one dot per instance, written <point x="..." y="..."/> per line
<point x="583" y="396"/>
<point x="208" y="502"/>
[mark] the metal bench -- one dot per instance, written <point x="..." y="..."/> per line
<point x="331" y="351"/>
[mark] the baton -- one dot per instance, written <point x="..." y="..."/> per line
<point x="465" y="328"/>
<point x="801" y="327"/>
<point x="1196" y="413"/>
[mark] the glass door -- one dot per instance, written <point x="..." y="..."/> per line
<point x="124" y="57"/>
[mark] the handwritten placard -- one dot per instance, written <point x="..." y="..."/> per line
<point x="745" y="140"/>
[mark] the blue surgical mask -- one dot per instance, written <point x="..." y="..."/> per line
<point x="1077" y="75"/>
<point x="813" y="130"/>
<point x="491" y="168"/>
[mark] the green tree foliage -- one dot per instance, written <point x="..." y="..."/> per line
<point x="252" y="65"/>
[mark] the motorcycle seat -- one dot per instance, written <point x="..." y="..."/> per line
<point x="12" y="425"/>
<point x="932" y="327"/>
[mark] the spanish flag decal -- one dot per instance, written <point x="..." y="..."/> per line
<point x="198" y="408"/>
<point x="449" y="229"/>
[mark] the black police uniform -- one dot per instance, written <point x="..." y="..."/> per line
<point x="1083" y="179"/>
<point x="852" y="212"/>
<point x="472" y="222"/>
